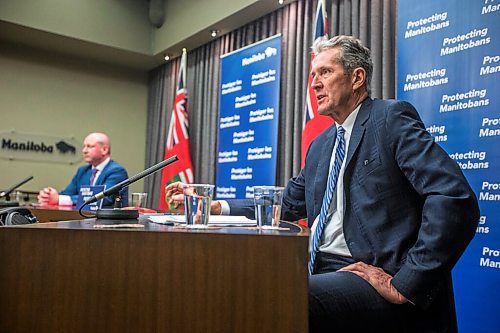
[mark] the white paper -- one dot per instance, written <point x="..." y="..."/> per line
<point x="227" y="220"/>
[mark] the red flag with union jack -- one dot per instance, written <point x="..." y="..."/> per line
<point x="313" y="122"/>
<point x="178" y="138"/>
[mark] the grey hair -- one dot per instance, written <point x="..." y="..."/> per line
<point x="352" y="54"/>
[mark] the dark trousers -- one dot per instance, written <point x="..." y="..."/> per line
<point x="344" y="302"/>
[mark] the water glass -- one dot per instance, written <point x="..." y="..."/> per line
<point x="268" y="205"/>
<point x="197" y="200"/>
<point x="138" y="200"/>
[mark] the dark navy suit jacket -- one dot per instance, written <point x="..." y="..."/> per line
<point x="112" y="174"/>
<point x="408" y="207"/>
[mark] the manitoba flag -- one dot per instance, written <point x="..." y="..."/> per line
<point x="313" y="123"/>
<point x="178" y="138"/>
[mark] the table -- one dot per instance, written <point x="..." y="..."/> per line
<point x="72" y="277"/>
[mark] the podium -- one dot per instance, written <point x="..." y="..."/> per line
<point x="72" y="277"/>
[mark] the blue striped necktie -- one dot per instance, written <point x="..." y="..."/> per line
<point x="327" y="199"/>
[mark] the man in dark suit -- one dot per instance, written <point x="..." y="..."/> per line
<point x="390" y="212"/>
<point x="100" y="170"/>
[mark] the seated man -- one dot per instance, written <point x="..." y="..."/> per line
<point x="390" y="212"/>
<point x="100" y="170"/>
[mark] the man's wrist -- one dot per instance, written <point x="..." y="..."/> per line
<point x="224" y="207"/>
<point x="64" y="200"/>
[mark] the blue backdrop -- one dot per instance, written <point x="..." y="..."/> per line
<point x="449" y="68"/>
<point x="248" y="123"/>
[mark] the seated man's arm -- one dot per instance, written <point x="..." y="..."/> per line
<point x="449" y="209"/>
<point x="69" y="195"/>
<point x="294" y="202"/>
<point x="245" y="207"/>
<point x="174" y="195"/>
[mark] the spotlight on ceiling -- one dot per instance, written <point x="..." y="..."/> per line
<point x="214" y="33"/>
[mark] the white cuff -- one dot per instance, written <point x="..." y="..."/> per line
<point x="224" y="207"/>
<point x="65" y="200"/>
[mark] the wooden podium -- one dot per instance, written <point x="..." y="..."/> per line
<point x="73" y="277"/>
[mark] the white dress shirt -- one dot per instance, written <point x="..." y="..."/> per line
<point x="332" y="240"/>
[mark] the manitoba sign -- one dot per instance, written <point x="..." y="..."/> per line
<point x="32" y="147"/>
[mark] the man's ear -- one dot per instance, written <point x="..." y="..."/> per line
<point x="105" y="149"/>
<point x="358" y="78"/>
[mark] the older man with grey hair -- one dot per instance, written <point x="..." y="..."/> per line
<point x="390" y="212"/>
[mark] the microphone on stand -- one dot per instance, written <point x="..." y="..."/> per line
<point x="6" y="194"/>
<point x="117" y="213"/>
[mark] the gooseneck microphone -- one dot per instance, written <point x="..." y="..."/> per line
<point x="115" y="190"/>
<point x="7" y="193"/>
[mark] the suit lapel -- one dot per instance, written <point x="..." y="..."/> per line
<point x="358" y="129"/>
<point x="322" y="170"/>
<point x="103" y="174"/>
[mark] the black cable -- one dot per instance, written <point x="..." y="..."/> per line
<point x="81" y="214"/>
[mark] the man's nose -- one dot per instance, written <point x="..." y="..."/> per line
<point x="315" y="83"/>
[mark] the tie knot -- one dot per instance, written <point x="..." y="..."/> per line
<point x="94" y="171"/>
<point x="340" y="131"/>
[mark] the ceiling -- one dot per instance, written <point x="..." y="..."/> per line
<point x="30" y="39"/>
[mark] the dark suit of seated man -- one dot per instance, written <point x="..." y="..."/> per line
<point x="96" y="152"/>
<point x="390" y="212"/>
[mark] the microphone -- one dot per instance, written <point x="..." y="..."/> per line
<point x="114" y="190"/>
<point x="6" y="193"/>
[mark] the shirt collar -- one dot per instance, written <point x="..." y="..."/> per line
<point x="349" y="122"/>
<point x="102" y="165"/>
